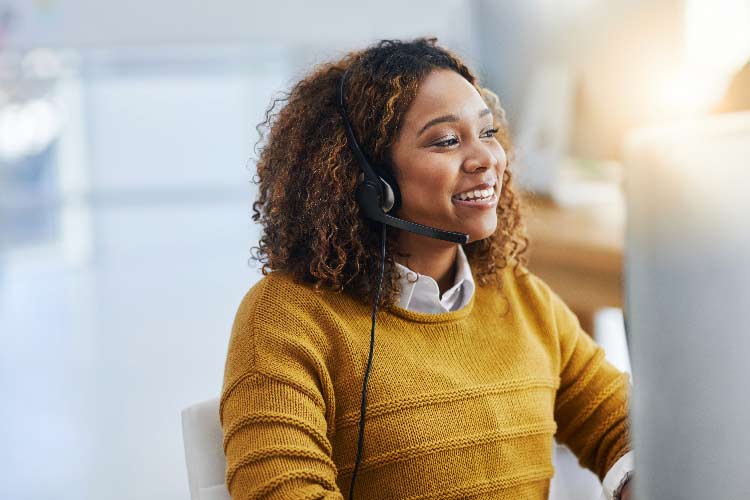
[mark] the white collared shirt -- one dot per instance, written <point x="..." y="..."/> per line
<point x="423" y="295"/>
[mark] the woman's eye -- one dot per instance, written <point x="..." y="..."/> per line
<point x="453" y="140"/>
<point x="447" y="142"/>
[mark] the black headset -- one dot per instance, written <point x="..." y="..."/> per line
<point x="376" y="197"/>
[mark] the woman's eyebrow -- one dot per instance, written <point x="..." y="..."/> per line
<point x="448" y="118"/>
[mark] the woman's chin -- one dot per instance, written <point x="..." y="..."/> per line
<point x="482" y="227"/>
<point x="475" y="235"/>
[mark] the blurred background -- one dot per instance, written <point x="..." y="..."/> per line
<point x="126" y="157"/>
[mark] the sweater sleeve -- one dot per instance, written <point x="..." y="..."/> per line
<point x="592" y="401"/>
<point x="276" y="405"/>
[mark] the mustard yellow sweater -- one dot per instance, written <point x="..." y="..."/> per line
<point x="462" y="404"/>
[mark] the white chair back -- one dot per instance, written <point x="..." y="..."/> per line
<point x="204" y="453"/>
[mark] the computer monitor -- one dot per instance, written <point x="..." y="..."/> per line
<point x="687" y="306"/>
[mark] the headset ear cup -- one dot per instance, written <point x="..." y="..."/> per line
<point x="391" y="192"/>
<point x="390" y="199"/>
<point x="381" y="195"/>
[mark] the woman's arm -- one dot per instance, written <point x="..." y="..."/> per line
<point x="592" y="405"/>
<point x="592" y="401"/>
<point x="275" y="407"/>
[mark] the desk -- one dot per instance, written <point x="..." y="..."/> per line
<point x="578" y="251"/>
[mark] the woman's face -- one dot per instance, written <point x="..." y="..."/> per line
<point x="446" y="147"/>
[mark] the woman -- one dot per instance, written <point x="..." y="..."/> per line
<point x="469" y="384"/>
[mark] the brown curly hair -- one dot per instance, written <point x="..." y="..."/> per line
<point x="312" y="225"/>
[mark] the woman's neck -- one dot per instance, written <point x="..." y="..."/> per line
<point x="436" y="259"/>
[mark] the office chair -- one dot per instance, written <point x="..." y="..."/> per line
<point x="204" y="453"/>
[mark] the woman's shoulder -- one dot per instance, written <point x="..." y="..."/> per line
<point x="277" y="329"/>
<point x="278" y="291"/>
<point x="531" y="294"/>
<point x="525" y="286"/>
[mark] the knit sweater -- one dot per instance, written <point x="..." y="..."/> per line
<point x="459" y="404"/>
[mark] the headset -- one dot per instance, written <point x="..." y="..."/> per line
<point x="377" y="193"/>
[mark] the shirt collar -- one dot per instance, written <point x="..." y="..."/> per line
<point x="424" y="293"/>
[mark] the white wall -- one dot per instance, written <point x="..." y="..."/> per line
<point x="339" y="23"/>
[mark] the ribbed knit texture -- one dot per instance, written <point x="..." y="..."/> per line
<point x="462" y="404"/>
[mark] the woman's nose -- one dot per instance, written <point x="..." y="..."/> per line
<point x="482" y="155"/>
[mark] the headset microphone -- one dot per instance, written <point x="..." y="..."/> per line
<point x="375" y="197"/>
<point x="369" y="201"/>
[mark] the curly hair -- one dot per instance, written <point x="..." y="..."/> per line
<point x="311" y="223"/>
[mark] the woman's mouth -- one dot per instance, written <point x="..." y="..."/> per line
<point x="479" y="202"/>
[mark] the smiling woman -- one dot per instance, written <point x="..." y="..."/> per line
<point x="471" y="384"/>
<point x="445" y="144"/>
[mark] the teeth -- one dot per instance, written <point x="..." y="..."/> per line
<point x="476" y="194"/>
